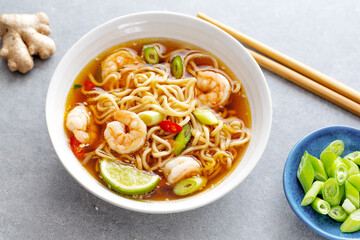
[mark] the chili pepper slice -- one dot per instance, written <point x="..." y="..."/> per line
<point x="89" y="85"/>
<point x="75" y="147"/>
<point x="170" y="126"/>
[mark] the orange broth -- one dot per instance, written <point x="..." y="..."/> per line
<point x="239" y="103"/>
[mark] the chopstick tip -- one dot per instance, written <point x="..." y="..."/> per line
<point x="200" y="15"/>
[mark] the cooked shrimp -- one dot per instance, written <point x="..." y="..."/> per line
<point x="212" y="89"/>
<point x="117" y="60"/>
<point x="80" y="122"/>
<point x="127" y="133"/>
<point x="181" y="167"/>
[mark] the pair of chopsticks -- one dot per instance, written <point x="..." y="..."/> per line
<point x="298" y="73"/>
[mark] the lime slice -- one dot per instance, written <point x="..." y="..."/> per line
<point x="127" y="179"/>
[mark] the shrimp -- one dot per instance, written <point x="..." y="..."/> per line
<point x="212" y="89"/>
<point x="117" y="60"/>
<point x="181" y="167"/>
<point x="80" y="122"/>
<point x="127" y="133"/>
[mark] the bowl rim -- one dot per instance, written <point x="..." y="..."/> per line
<point x="287" y="191"/>
<point x="251" y="64"/>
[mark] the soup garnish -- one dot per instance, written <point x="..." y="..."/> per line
<point x="337" y="180"/>
<point x="157" y="119"/>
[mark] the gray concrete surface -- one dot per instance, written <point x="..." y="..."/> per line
<point x="40" y="200"/>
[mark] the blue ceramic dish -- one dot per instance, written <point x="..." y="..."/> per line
<point x="314" y="143"/>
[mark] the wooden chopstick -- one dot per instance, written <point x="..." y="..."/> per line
<point x="307" y="83"/>
<point x="287" y="61"/>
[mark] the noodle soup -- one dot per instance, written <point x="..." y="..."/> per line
<point x="157" y="119"/>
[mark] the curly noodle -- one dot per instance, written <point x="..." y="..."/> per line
<point x="141" y="87"/>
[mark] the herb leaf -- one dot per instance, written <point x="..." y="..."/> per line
<point x="76" y="86"/>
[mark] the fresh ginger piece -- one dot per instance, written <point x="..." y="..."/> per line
<point x="24" y="35"/>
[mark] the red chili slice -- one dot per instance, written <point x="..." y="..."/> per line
<point x="89" y="85"/>
<point x="75" y="147"/>
<point x="170" y="126"/>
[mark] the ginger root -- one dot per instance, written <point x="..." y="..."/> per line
<point x="24" y="35"/>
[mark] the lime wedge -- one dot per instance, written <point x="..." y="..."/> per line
<point x="127" y="179"/>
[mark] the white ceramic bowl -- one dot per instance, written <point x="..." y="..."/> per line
<point x="164" y="25"/>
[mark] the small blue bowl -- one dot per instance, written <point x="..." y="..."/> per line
<point x="314" y="143"/>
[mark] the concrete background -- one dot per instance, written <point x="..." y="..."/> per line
<point x="40" y="200"/>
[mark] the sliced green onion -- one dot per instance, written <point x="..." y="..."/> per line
<point x="305" y="173"/>
<point x="328" y="158"/>
<point x="352" y="222"/>
<point x="342" y="193"/>
<point x="336" y="146"/>
<point x="151" y="56"/>
<point x="205" y="116"/>
<point x="354" y="156"/>
<point x="338" y="170"/>
<point x="341" y="186"/>
<point x="151" y="118"/>
<point x="182" y="139"/>
<point x="189" y="185"/>
<point x="348" y="206"/>
<point x="320" y="173"/>
<point x="98" y="75"/>
<point x="331" y="192"/>
<point x="321" y="206"/>
<point x="352" y="194"/>
<point x="352" y="167"/>
<point x="338" y="213"/>
<point x="177" y="67"/>
<point x="355" y="181"/>
<point x="310" y="196"/>
<point x="76" y="86"/>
